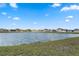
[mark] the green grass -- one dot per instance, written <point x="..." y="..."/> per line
<point x="67" y="47"/>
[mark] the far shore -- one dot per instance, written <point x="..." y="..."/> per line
<point x="58" y="30"/>
<point x="46" y="32"/>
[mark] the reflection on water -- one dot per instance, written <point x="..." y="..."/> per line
<point x="30" y="37"/>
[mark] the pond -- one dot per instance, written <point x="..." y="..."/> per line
<point x="8" y="39"/>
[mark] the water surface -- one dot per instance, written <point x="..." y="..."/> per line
<point x="7" y="39"/>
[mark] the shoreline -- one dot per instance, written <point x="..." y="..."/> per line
<point x="66" y="47"/>
<point x="45" y="32"/>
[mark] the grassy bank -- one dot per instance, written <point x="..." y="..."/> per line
<point x="52" y="48"/>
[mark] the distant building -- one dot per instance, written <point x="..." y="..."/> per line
<point x="76" y="30"/>
<point x="46" y="30"/>
<point x="12" y="30"/>
<point x="17" y="30"/>
<point x="3" y="30"/>
<point x="69" y="30"/>
<point x="40" y="30"/>
<point x="61" y="30"/>
<point x="54" y="30"/>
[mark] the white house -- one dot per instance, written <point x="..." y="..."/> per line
<point x="61" y="30"/>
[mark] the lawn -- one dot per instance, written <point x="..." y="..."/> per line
<point x="66" y="47"/>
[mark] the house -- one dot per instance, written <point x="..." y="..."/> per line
<point x="12" y="30"/>
<point x="76" y="30"/>
<point x="54" y="30"/>
<point x="61" y="30"/>
<point x="46" y="30"/>
<point x="69" y="30"/>
<point x="3" y="30"/>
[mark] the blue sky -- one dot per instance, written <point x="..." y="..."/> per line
<point x="39" y="15"/>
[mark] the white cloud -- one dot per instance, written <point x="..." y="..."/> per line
<point x="67" y="20"/>
<point x="16" y="18"/>
<point x="13" y="24"/>
<point x="46" y="15"/>
<point x="71" y="7"/>
<point x="13" y="5"/>
<point x="56" y="5"/>
<point x="4" y="13"/>
<point x="9" y="16"/>
<point x="70" y="17"/>
<point x="35" y="23"/>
